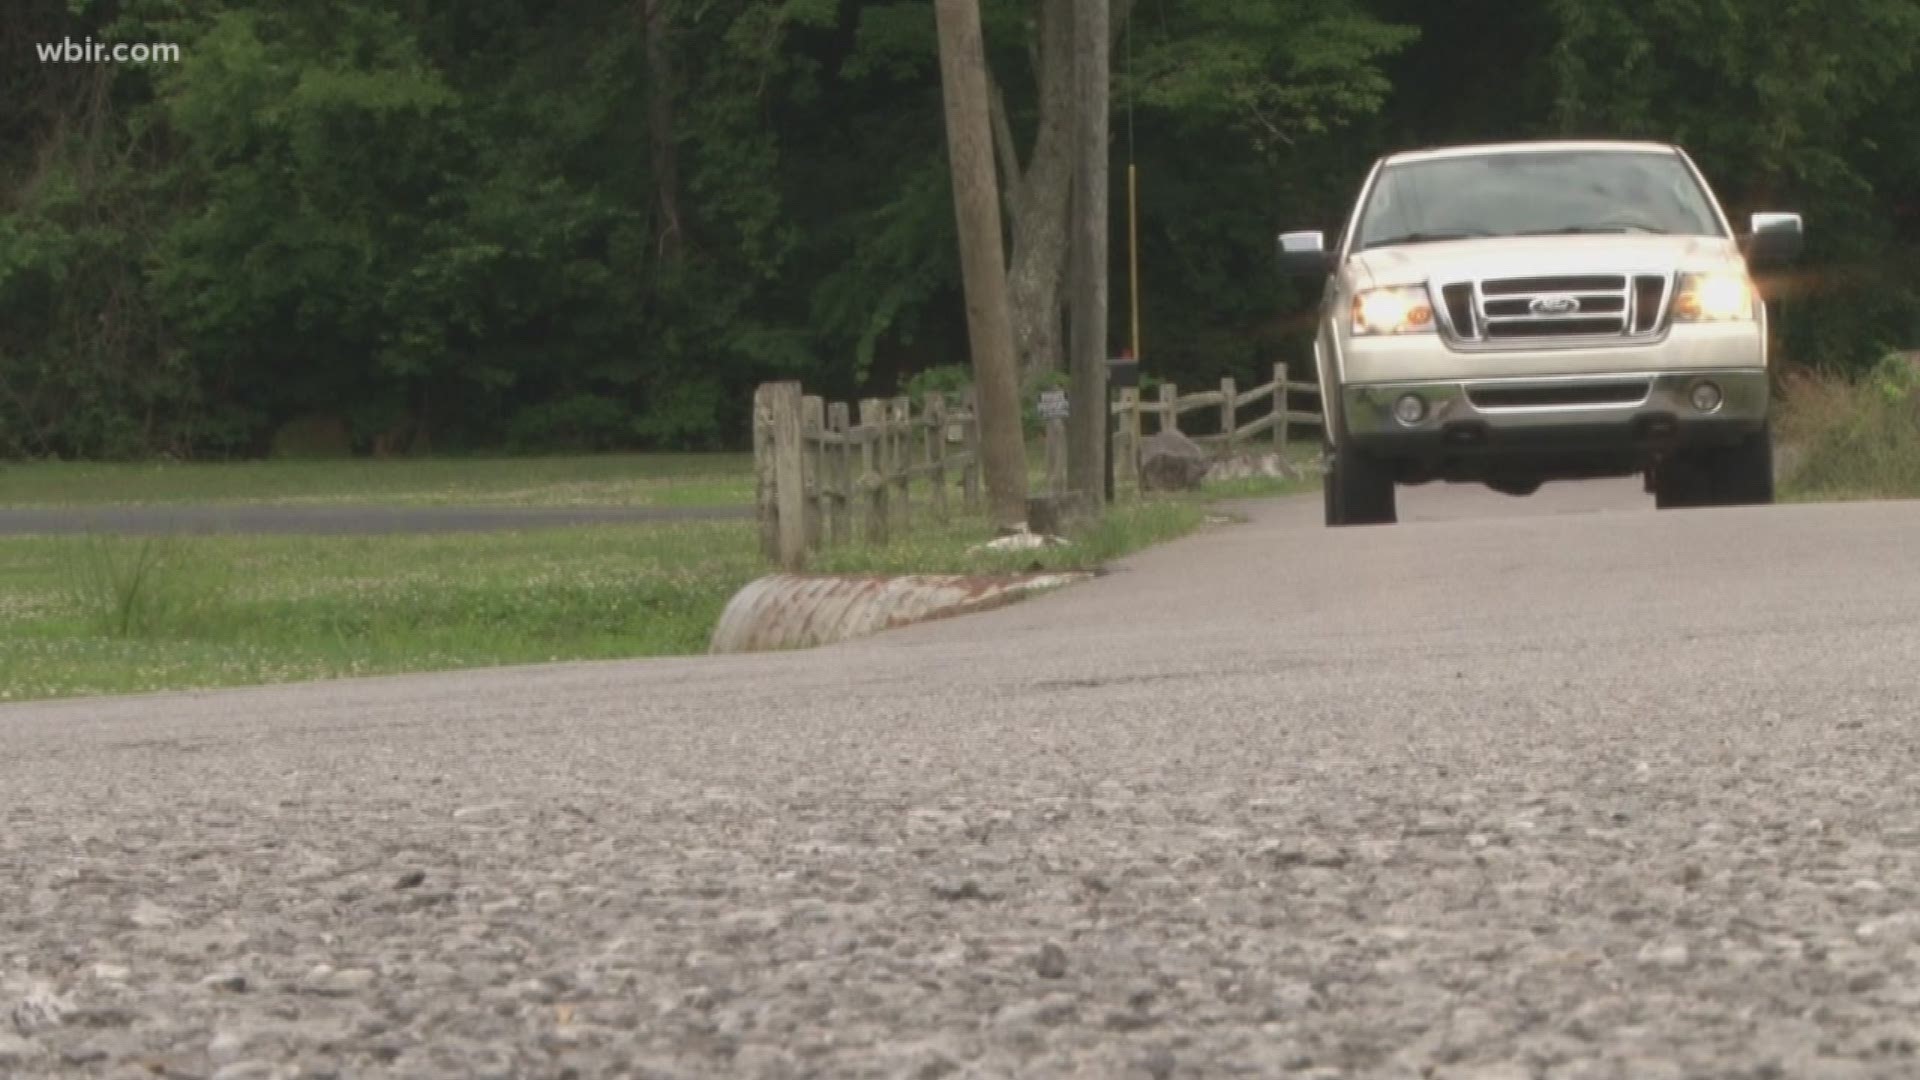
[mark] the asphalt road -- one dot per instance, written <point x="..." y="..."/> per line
<point x="336" y="520"/>
<point x="1556" y="788"/>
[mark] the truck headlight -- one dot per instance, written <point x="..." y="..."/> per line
<point x="1401" y="310"/>
<point x="1714" y="297"/>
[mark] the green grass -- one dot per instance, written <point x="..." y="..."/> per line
<point x="1851" y="438"/>
<point x="282" y="609"/>
<point x="90" y="615"/>
<point x="586" y="480"/>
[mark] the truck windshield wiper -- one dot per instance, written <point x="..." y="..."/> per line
<point x="1425" y="238"/>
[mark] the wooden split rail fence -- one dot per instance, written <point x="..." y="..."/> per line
<point x="825" y="476"/>
<point x="822" y="478"/>
<point x="1225" y="404"/>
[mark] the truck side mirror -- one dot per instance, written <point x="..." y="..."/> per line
<point x="1773" y="239"/>
<point x="1304" y="254"/>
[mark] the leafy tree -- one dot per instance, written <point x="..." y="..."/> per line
<point x="598" y="224"/>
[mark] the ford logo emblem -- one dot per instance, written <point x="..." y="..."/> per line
<point x="1554" y="305"/>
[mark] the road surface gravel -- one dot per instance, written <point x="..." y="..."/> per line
<point x="1556" y="788"/>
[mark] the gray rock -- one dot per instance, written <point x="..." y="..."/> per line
<point x="1302" y="851"/>
<point x="1048" y="1011"/>
<point x="228" y="1043"/>
<point x="1050" y="962"/>
<point x="963" y="889"/>
<point x="1666" y="954"/>
<point x="482" y="810"/>
<point x="148" y="915"/>
<point x="38" y="1008"/>
<point x="230" y="982"/>
<point x="326" y="982"/>
<point x="1169" y="461"/>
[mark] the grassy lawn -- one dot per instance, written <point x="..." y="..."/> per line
<point x="228" y="611"/>
<point x="93" y="615"/>
<point x="586" y="480"/>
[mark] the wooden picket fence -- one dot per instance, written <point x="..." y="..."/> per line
<point x="825" y="476"/>
<point x="822" y="478"/>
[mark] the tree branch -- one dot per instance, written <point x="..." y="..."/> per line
<point x="1007" y="152"/>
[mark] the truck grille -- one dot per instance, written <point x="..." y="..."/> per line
<point x="1573" y="306"/>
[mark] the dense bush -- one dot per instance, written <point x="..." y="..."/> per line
<point x="473" y="222"/>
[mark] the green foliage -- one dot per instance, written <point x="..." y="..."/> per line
<point x="1896" y="378"/>
<point x="1787" y="105"/>
<point x="1854" y="437"/>
<point x="577" y="423"/>
<point x="945" y="379"/>
<point x="447" y="218"/>
<point x="1276" y="71"/>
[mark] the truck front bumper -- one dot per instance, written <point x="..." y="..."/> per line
<point x="1622" y="412"/>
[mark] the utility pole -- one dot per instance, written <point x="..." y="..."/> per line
<point x="983" y="268"/>
<point x="1087" y="363"/>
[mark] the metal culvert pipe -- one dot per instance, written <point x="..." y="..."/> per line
<point x="798" y="611"/>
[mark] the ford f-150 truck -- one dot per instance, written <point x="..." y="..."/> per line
<point x="1515" y="313"/>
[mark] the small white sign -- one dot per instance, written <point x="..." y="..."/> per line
<point x="1053" y="405"/>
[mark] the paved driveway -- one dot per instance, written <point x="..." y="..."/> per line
<point x="1557" y="787"/>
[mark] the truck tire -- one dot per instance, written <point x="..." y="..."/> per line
<point x="1738" y="475"/>
<point x="1742" y="475"/>
<point x="1680" y="482"/>
<point x="1358" y="490"/>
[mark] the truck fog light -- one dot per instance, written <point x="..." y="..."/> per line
<point x="1706" y="397"/>
<point x="1410" y="409"/>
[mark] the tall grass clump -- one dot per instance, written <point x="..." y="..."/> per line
<point x="143" y="587"/>
<point x="1855" y="438"/>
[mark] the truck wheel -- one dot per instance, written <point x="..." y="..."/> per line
<point x="1742" y="475"/>
<point x="1680" y="482"/>
<point x="1738" y="475"/>
<point x="1358" y="490"/>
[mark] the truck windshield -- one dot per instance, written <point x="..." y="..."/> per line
<point x="1535" y="193"/>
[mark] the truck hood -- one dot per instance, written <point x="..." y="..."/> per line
<point x="1527" y="256"/>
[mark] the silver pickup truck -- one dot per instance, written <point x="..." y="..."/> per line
<point x="1516" y="313"/>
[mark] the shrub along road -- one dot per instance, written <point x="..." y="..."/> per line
<point x="1556" y="787"/>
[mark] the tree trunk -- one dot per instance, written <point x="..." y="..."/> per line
<point x="1038" y="195"/>
<point x="664" y="156"/>
<point x="976" y="200"/>
<point x="1033" y="289"/>
<point x="1039" y="188"/>
<point x="1087" y="424"/>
